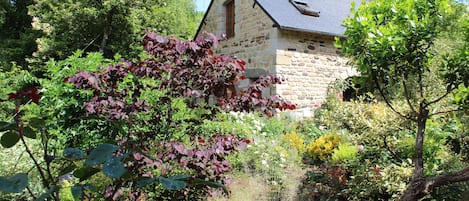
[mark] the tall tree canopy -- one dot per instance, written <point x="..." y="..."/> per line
<point x="16" y="34"/>
<point x="107" y="26"/>
<point x="393" y="44"/>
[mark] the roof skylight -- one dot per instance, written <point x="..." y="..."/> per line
<point x="304" y="8"/>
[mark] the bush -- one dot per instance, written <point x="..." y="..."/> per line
<point x="382" y="168"/>
<point x="144" y="116"/>
<point x="321" y="149"/>
<point x="295" y="141"/>
<point x="367" y="123"/>
<point x="344" y="152"/>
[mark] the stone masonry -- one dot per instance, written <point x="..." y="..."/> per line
<point x="308" y="61"/>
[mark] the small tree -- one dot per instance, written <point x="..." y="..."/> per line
<point x="148" y="103"/>
<point x="391" y="42"/>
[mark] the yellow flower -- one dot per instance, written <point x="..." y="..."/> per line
<point x="322" y="148"/>
<point x="295" y="141"/>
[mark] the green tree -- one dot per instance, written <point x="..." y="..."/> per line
<point x="16" y="34"/>
<point x="392" y="44"/>
<point x="107" y="26"/>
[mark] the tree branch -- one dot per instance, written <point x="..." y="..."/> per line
<point x="441" y="180"/>
<point x="419" y="80"/>
<point x="46" y="156"/>
<point x="21" y="134"/>
<point x="381" y="92"/>
<point x="445" y="112"/>
<point x="92" y="42"/>
<point x="406" y="94"/>
<point x="441" y="97"/>
<point x="390" y="151"/>
<point x="31" y="193"/>
<point x="18" y="160"/>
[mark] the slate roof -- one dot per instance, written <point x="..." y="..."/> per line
<point x="329" y="22"/>
<point x="285" y="15"/>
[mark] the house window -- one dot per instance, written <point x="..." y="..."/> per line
<point x="304" y="8"/>
<point x="230" y="18"/>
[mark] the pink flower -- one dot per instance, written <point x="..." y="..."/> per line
<point x="360" y="147"/>
<point x="377" y="170"/>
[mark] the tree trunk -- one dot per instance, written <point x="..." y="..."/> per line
<point x="418" y="189"/>
<point x="417" y="184"/>
<point x="420" y="186"/>
<point x="106" y="31"/>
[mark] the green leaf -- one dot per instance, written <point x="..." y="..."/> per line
<point x="172" y="184"/>
<point x="180" y="177"/>
<point x="77" y="192"/>
<point x="9" y="139"/>
<point x="5" y="126"/>
<point x="90" y="187"/>
<point x="73" y="153"/>
<point x="14" y="184"/>
<point x="29" y="132"/>
<point x="145" y="182"/>
<point x="36" y="123"/>
<point x="114" y="168"/>
<point x="47" y="194"/>
<point x="85" y="172"/>
<point x="101" y="154"/>
<point x="68" y="169"/>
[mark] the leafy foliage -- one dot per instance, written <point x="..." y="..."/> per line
<point x="14" y="184"/>
<point x="377" y="161"/>
<point x="62" y="103"/>
<point x="344" y="152"/>
<point x="184" y="69"/>
<point x="396" y="50"/>
<point x="143" y="103"/>
<point x="17" y="34"/>
<point x="321" y="149"/>
<point x="295" y="141"/>
<point x="109" y="27"/>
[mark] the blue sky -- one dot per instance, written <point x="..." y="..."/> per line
<point x="202" y="5"/>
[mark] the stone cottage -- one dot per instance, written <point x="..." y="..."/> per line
<point x="292" y="38"/>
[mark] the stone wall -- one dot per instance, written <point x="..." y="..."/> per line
<point x="311" y="64"/>
<point x="254" y="35"/>
<point x="309" y="61"/>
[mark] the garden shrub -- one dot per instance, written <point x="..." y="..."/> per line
<point x="295" y="141"/>
<point x="369" y="123"/>
<point x="245" y="125"/>
<point x="344" y="152"/>
<point x="321" y="149"/>
<point x="309" y="129"/>
<point x="67" y="122"/>
<point x="147" y="112"/>
<point x="382" y="168"/>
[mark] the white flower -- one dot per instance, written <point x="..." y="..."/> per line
<point x="258" y="127"/>
<point x="264" y="163"/>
